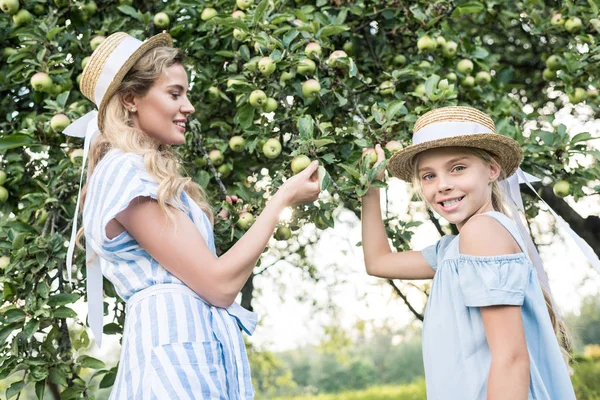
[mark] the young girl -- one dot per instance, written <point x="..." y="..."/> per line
<point x="149" y="231"/>
<point x="487" y="333"/>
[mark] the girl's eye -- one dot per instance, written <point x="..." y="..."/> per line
<point x="427" y="177"/>
<point x="458" y="168"/>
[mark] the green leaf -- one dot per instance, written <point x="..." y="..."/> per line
<point x="64" y="312"/>
<point x="468" y="8"/>
<point x="13" y="315"/>
<point x="62" y="299"/>
<point x="353" y="172"/>
<point x="244" y="116"/>
<point x="581" y="137"/>
<point x="431" y="84"/>
<point x="290" y="36"/>
<point x="323" y="142"/>
<point x="58" y="376"/>
<point x="62" y="99"/>
<point x="259" y="13"/>
<point x="14" y="140"/>
<point x="114" y="328"/>
<point x="14" y="389"/>
<point x="306" y="126"/>
<point x="393" y="108"/>
<point x="90" y="362"/>
<point x="331" y="30"/>
<point x="43" y="290"/>
<point x="108" y="380"/>
<point x="480" y="53"/>
<point x="324" y="178"/>
<point x="40" y="389"/>
<point x="132" y="12"/>
<point x="50" y="35"/>
<point x="225" y="53"/>
<point x="31" y="327"/>
<point x="342" y="101"/>
<point x="230" y="22"/>
<point x="546" y="137"/>
<point x="7" y="330"/>
<point x="378" y="113"/>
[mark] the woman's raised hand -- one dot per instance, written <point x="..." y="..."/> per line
<point x="303" y="187"/>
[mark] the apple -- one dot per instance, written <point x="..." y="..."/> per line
<point x="216" y="157"/>
<point x="440" y="40"/>
<point x="270" y="105"/>
<point x="238" y="14"/>
<point x="313" y="50"/>
<point x="41" y="82"/>
<point x="320" y="222"/>
<point x="595" y="22"/>
<point x="9" y="6"/>
<point x="420" y="89"/>
<point x="465" y="66"/>
<point x="38" y="9"/>
<point x="239" y="34"/>
<point x="207" y="14"/>
<point x="562" y="188"/>
<point x="78" y="79"/>
<point x="554" y="62"/>
<point x="8" y="51"/>
<point x="426" y="43"/>
<point x="59" y="122"/>
<point x="90" y="8"/>
<point x="61" y="3"/>
<point x="2" y="177"/>
<point x="336" y="59"/>
<point x="548" y="74"/>
<point x="393" y="146"/>
<point x="443" y="84"/>
<point x="3" y="194"/>
<point x="557" y="19"/>
<point x="246" y="220"/>
<point x="84" y="62"/>
<point x="272" y="148"/>
<point x="237" y="144"/>
<point x="577" y="96"/>
<point x="311" y="88"/>
<point x="590" y="94"/>
<point x="349" y="46"/>
<point x="468" y="81"/>
<point x="161" y="20"/>
<point x="449" y="49"/>
<point x="224" y="170"/>
<point x="424" y="64"/>
<point x="75" y="154"/>
<point x="286" y="76"/>
<point x="283" y="233"/>
<point x="96" y="40"/>
<point x="125" y="2"/>
<point x="4" y="261"/>
<point x="22" y="17"/>
<point x="299" y="163"/>
<point x="200" y="162"/>
<point x="573" y="24"/>
<point x="483" y="78"/>
<point x="399" y="59"/>
<point x="258" y="98"/>
<point x="451" y="77"/>
<point x="369" y="157"/>
<point x="306" y="66"/>
<point x="243" y="4"/>
<point x="387" y="88"/>
<point x="266" y="66"/>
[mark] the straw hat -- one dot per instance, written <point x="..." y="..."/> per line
<point x="110" y="62"/>
<point x="456" y="126"/>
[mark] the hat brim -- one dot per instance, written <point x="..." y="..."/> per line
<point x="160" y="40"/>
<point x="507" y="151"/>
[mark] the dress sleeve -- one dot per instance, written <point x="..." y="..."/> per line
<point x="494" y="280"/>
<point x="433" y="252"/>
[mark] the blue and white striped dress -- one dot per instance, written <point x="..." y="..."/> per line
<point x="175" y="345"/>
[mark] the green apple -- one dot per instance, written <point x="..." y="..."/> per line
<point x="161" y="20"/>
<point x="465" y="66"/>
<point x="424" y="64"/>
<point x="59" y="122"/>
<point x="208" y="13"/>
<point x="426" y="43"/>
<point x="244" y="4"/>
<point x="237" y="144"/>
<point x="337" y="59"/>
<point x="451" y="77"/>
<point x="22" y="17"/>
<point x="3" y="194"/>
<point x="38" y="9"/>
<point x="75" y="154"/>
<point x="266" y="66"/>
<point x="573" y="24"/>
<point x="286" y="76"/>
<point x="399" y="59"/>
<point x="224" y="170"/>
<point x="595" y="22"/>
<point x="216" y="157"/>
<point x="483" y="78"/>
<point x="554" y="62"/>
<point x="557" y="19"/>
<point x="200" y="162"/>
<point x="96" y="40"/>
<point x="283" y="233"/>
<point x="299" y="163"/>
<point x="90" y="8"/>
<point x="443" y="84"/>
<point x="41" y="82"/>
<point x="393" y="146"/>
<point x="369" y="158"/>
<point x="468" y="81"/>
<point x="313" y="50"/>
<point x="387" y="88"/>
<point x="8" y="51"/>
<point x="348" y="47"/>
<point x="420" y="89"/>
<point x="9" y="6"/>
<point x="311" y="88"/>
<point x="306" y="66"/>
<point x="320" y="222"/>
<point x="548" y="74"/>
<point x="440" y="41"/>
<point x="239" y="34"/>
<point x="590" y="94"/>
<point x="238" y="14"/>
<point x="577" y="96"/>
<point x="272" y="148"/>
<point x="61" y="3"/>
<point x="258" y="98"/>
<point x="245" y="221"/>
<point x="2" y="177"/>
<point x="270" y="105"/>
<point x="84" y="62"/>
<point x="4" y="261"/>
<point x="562" y="188"/>
<point x="450" y="48"/>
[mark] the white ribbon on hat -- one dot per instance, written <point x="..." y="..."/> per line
<point x="442" y="130"/>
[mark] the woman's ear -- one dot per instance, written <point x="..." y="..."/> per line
<point x="129" y="102"/>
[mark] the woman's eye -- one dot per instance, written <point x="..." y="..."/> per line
<point x="175" y="95"/>
<point x="458" y="168"/>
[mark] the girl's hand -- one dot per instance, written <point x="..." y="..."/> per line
<point x="233" y="200"/>
<point x="303" y="187"/>
<point x="368" y="156"/>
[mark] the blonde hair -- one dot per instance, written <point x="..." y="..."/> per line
<point x="499" y="204"/>
<point x="159" y="159"/>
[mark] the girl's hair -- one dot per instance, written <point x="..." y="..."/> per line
<point x="499" y="204"/>
<point x="118" y="133"/>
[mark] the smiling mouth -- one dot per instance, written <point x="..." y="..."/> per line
<point x="181" y="124"/>
<point x="450" y="203"/>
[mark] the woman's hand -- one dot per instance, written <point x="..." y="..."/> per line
<point x="303" y="187"/>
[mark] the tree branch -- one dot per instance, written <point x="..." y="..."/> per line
<point x="405" y="299"/>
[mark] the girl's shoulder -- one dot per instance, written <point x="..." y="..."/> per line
<point x="117" y="161"/>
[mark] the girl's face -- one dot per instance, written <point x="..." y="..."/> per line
<point x="162" y="113"/>
<point x="456" y="183"/>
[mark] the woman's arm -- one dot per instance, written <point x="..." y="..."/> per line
<point x="379" y="259"/>
<point x="181" y="249"/>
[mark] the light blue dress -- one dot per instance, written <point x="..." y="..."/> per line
<point x="175" y="345"/>
<point x="455" y="351"/>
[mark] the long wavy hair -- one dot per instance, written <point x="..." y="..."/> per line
<point x="159" y="159"/>
<point x="499" y="204"/>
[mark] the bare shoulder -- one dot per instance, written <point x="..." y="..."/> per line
<point x="485" y="236"/>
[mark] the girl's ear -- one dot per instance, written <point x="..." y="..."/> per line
<point x="129" y="101"/>
<point x="494" y="172"/>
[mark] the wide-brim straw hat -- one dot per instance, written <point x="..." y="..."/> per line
<point x="457" y="126"/>
<point x="109" y="64"/>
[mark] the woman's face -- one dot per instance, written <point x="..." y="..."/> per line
<point x="456" y="183"/>
<point x="162" y="113"/>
